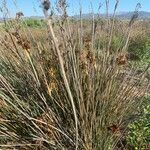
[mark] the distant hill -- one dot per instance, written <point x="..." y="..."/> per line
<point x="128" y="15"/>
<point x="120" y="15"/>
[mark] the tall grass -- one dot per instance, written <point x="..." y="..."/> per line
<point x="66" y="91"/>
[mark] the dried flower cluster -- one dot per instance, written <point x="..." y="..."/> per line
<point x="87" y="60"/>
<point x="24" y="43"/>
<point x="46" y="4"/>
<point x="46" y="7"/>
<point x="121" y="59"/>
<point x="19" y="15"/>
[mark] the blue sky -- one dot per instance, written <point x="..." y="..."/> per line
<point x="31" y="7"/>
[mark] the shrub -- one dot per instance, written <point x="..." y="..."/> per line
<point x="139" y="130"/>
<point x="140" y="47"/>
<point x="34" y="23"/>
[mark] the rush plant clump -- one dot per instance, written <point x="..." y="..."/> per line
<point x="65" y="90"/>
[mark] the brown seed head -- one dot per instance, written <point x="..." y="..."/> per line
<point x="121" y="59"/>
<point x="19" y="15"/>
